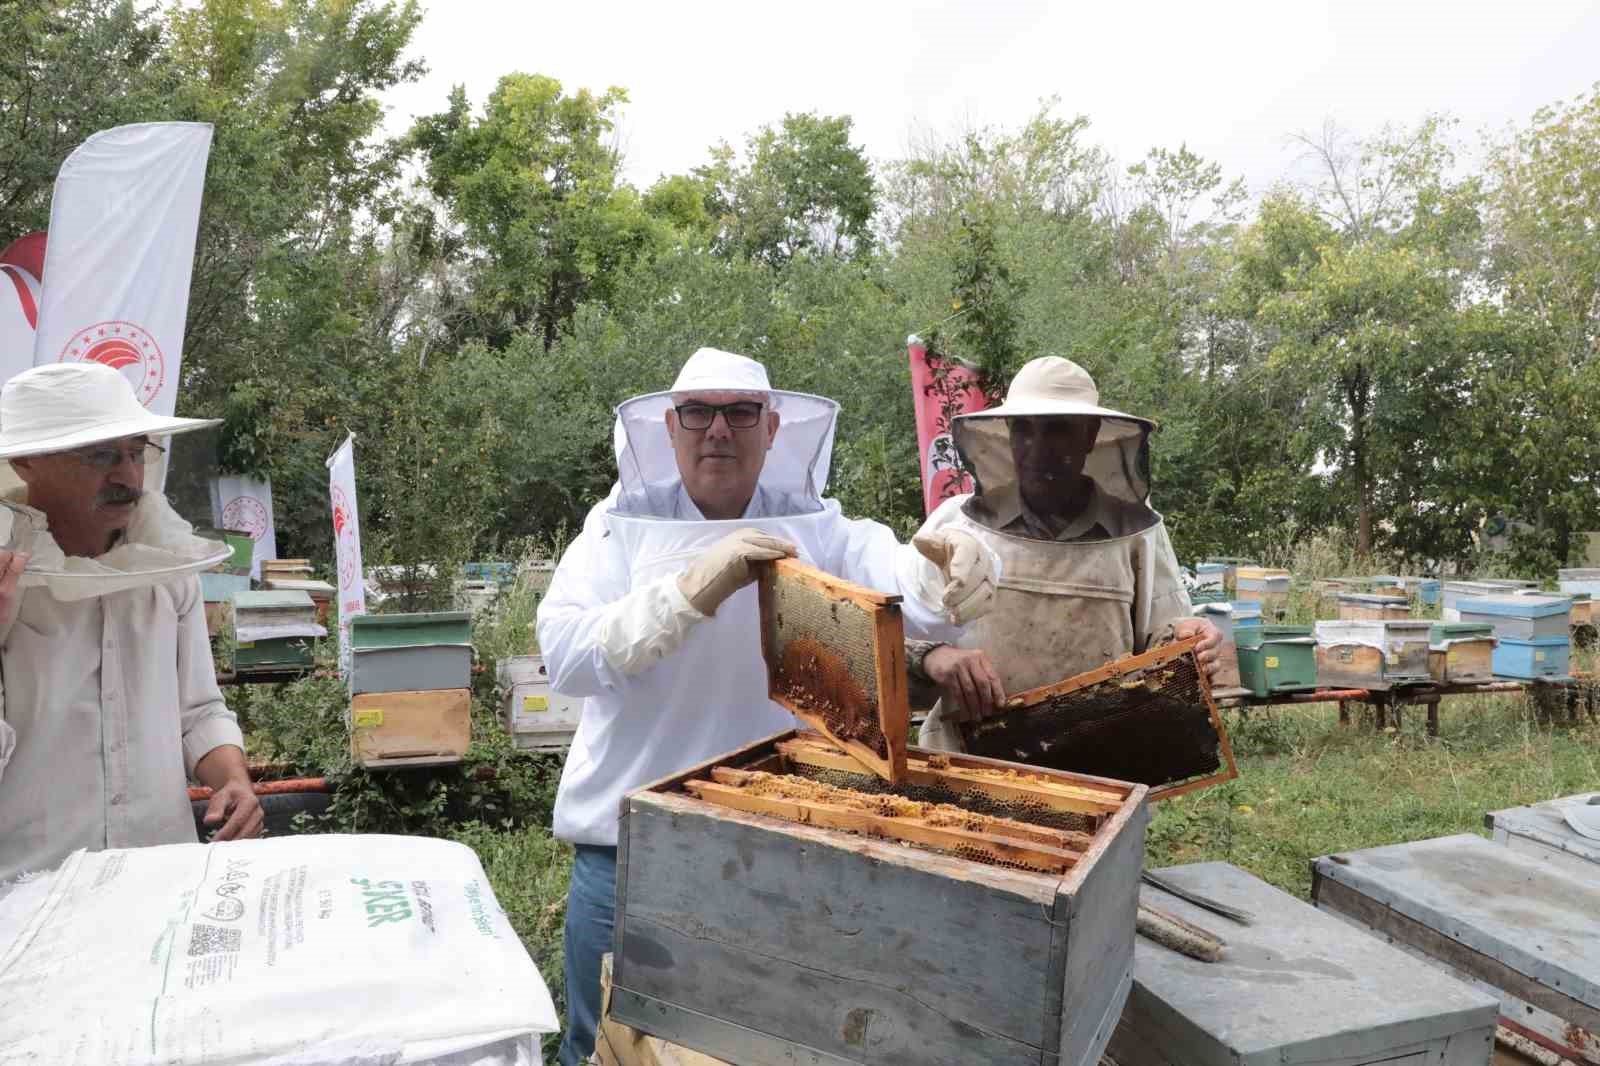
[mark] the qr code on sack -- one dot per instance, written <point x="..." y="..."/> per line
<point x="212" y="938"/>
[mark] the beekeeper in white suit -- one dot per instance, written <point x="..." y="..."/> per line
<point x="1062" y="497"/>
<point x="108" y="694"/>
<point x="649" y="618"/>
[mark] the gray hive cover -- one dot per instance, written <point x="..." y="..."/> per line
<point x="1514" y="908"/>
<point x="1549" y="824"/>
<point x="1296" y="986"/>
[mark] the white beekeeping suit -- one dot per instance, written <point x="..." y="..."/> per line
<point x="666" y="686"/>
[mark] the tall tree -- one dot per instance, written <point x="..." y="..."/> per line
<point x="535" y="185"/>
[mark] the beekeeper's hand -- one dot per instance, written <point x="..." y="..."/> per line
<point x="724" y="568"/>
<point x="1209" y="650"/>
<point x="967" y="680"/>
<point x="234" y="812"/>
<point x="968" y="569"/>
<point x="11" y="564"/>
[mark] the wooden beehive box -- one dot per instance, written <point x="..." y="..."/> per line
<point x="1541" y="830"/>
<point x="1362" y="607"/>
<point x="749" y="927"/>
<point x="1508" y="923"/>
<point x="1461" y="653"/>
<point x="398" y="729"/>
<point x="1372" y="655"/>
<point x="1294" y="986"/>
<point x="836" y="657"/>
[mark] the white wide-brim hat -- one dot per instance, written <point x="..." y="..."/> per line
<point x="64" y="406"/>
<point x="1051" y="385"/>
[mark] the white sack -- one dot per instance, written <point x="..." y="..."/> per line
<point x="301" y="950"/>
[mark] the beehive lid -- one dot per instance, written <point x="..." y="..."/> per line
<point x="1443" y="631"/>
<point x="272" y="600"/>
<point x="311" y="586"/>
<point x="1255" y="636"/>
<point x="410" y="630"/>
<point x="1373" y="601"/>
<point x="835" y="654"/>
<point x="1296" y="986"/>
<point x="1519" y="606"/>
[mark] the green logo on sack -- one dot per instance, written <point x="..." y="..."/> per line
<point x="386" y="901"/>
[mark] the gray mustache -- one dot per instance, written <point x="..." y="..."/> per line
<point x="116" y="494"/>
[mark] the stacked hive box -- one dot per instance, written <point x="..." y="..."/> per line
<point x="1531" y="633"/>
<point x="1370" y="607"/>
<point x="1583" y="585"/>
<point x="410" y="679"/>
<point x="273" y="631"/>
<point x="294" y="575"/>
<point x="538" y="718"/>
<point x="1277" y="659"/>
<point x="1294" y="986"/>
<point x="1372" y="655"/>
<point x="1268" y="587"/>
<point x="1461" y="653"/>
<point x="1541" y="830"/>
<point x="1230" y="571"/>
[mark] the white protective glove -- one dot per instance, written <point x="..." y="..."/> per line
<point x="724" y="568"/>
<point x="968" y="569"/>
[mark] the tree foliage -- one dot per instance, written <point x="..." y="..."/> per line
<point x="1398" y="347"/>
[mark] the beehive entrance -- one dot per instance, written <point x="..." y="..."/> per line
<point x="1147" y="718"/>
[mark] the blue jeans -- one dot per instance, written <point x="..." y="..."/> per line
<point x="591" y="905"/>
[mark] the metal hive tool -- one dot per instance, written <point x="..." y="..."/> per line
<point x="1146" y="718"/>
<point x="835" y="655"/>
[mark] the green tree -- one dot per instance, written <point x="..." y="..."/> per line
<point x="801" y="189"/>
<point x="535" y="186"/>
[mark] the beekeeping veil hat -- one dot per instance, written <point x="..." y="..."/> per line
<point x="795" y="473"/>
<point x="66" y="406"/>
<point x="1053" y="388"/>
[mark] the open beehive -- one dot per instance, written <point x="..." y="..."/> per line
<point x="1148" y="718"/>
<point x="783" y="903"/>
<point x="835" y="655"/>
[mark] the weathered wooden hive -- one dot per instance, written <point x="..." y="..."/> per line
<point x="1294" y="986"/>
<point x="850" y="900"/>
<point x="1372" y="655"/>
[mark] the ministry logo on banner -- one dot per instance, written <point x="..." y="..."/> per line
<point x="123" y="346"/>
<point x="346" y="541"/>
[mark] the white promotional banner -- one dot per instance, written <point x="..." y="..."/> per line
<point x="244" y="505"/>
<point x="346" y="541"/>
<point x="19" y="313"/>
<point x="122" y="230"/>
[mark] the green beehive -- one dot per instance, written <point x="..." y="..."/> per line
<point x="1277" y="659"/>
<point x="410" y="652"/>
<point x="274" y="629"/>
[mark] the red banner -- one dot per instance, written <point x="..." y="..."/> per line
<point x="941" y="388"/>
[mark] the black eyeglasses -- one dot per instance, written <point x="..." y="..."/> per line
<point x="110" y="456"/>
<point x="746" y="414"/>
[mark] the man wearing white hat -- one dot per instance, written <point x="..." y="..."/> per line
<point x="649" y="618"/>
<point x="108" y="696"/>
<point x="1062" y="497"/>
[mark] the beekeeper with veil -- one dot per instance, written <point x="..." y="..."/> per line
<point x="1062" y="497"/>
<point x="650" y="617"/>
<point x="108" y="695"/>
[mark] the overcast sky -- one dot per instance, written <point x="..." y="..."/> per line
<point x="1233" y="80"/>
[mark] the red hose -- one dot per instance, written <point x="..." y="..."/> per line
<point x="273" y="788"/>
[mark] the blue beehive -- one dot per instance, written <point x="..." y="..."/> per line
<point x="1246" y="613"/>
<point x="1547" y="657"/>
<point x="1523" y="617"/>
<point x="1428" y="589"/>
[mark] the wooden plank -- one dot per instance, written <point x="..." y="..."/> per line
<point x="909" y="830"/>
<point x="1153" y="657"/>
<point x="1101" y="792"/>
<point x="689" y="1029"/>
<point x="1065" y="839"/>
<point x="397" y="725"/>
<point x="1098" y="905"/>
<point x="853" y="947"/>
<point x="1018" y="790"/>
<point x="894" y="696"/>
<point x="828" y="584"/>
